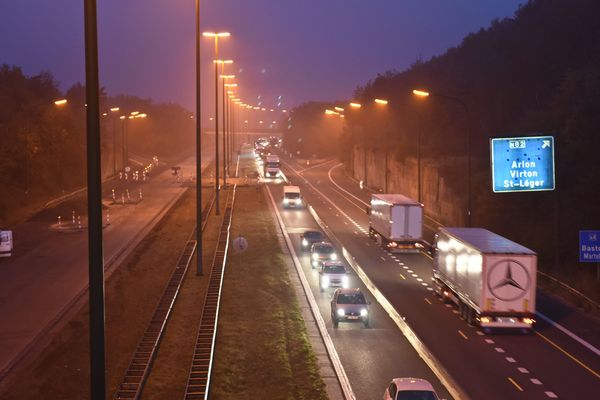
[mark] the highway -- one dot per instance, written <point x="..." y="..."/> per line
<point x="49" y="269"/>
<point x="546" y="364"/>
<point x="370" y="355"/>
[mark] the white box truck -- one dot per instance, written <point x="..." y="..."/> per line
<point x="6" y="243"/>
<point x="272" y="166"/>
<point x="491" y="279"/>
<point x="396" y="222"/>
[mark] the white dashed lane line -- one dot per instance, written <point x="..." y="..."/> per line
<point x="499" y="349"/>
<point x="551" y="395"/>
<point x="523" y="370"/>
<point x="511" y="360"/>
<point x="535" y="381"/>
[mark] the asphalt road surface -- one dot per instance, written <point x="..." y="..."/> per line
<point x="553" y="362"/>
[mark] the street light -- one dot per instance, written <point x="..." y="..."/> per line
<point x="60" y="102"/>
<point x="114" y="110"/>
<point x="355" y="105"/>
<point x="381" y="101"/>
<point x="225" y="79"/>
<point x="425" y="94"/>
<point x="216" y="36"/>
<point x="340" y="109"/>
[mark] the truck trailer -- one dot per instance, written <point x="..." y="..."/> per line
<point x="491" y="279"/>
<point x="396" y="222"/>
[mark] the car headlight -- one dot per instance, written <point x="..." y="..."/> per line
<point x="364" y="312"/>
<point x="304" y="242"/>
<point x="286" y="201"/>
<point x="345" y="281"/>
<point x="341" y="312"/>
<point x="333" y="256"/>
<point x="298" y="201"/>
<point x="315" y="256"/>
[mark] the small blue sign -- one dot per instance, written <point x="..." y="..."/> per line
<point x="589" y="246"/>
<point x="522" y="164"/>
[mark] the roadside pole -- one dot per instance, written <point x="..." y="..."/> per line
<point x="94" y="182"/>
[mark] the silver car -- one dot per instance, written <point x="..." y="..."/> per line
<point x="333" y="273"/>
<point x="349" y="305"/>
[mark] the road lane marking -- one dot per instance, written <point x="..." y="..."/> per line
<point x="535" y="381"/>
<point x="523" y="370"/>
<point x="511" y="360"/>
<point x="499" y="349"/>
<point x="597" y="375"/>
<point x="424" y="284"/>
<point x="570" y="334"/>
<point x="382" y="258"/>
<point x="427" y="255"/>
<point x="430" y="289"/>
<point x="511" y="380"/>
<point x="402" y="276"/>
<point x="552" y="395"/>
<point x="463" y="335"/>
<point x="480" y="333"/>
<point x="427" y="300"/>
<point x="406" y="268"/>
<point x="489" y="341"/>
<point x="413" y="275"/>
<point x="419" y="280"/>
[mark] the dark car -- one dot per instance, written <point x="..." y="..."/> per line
<point x="308" y="238"/>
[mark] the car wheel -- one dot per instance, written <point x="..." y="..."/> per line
<point x="366" y="322"/>
<point x="335" y="322"/>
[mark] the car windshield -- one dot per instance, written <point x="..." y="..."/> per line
<point x="274" y="164"/>
<point x="313" y="235"/>
<point x="334" y="269"/>
<point x="353" y="298"/>
<point x="292" y="195"/>
<point x="324" y="249"/>
<point x="416" y="395"/>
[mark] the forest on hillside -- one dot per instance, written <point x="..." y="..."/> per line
<point x="43" y="151"/>
<point x="536" y="73"/>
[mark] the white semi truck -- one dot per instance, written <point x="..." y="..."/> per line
<point x="272" y="166"/>
<point x="491" y="279"/>
<point x="396" y="222"/>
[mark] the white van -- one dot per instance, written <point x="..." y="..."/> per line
<point x="291" y="197"/>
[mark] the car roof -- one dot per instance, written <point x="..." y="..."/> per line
<point x="349" y="291"/>
<point x="332" y="263"/>
<point x="412" y="384"/>
<point x="312" y="233"/>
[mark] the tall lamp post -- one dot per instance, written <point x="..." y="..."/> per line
<point x="94" y="183"/>
<point x="425" y="94"/>
<point x="227" y="94"/>
<point x="226" y="85"/>
<point x="216" y="61"/>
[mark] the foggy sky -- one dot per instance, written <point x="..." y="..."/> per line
<point x="302" y="49"/>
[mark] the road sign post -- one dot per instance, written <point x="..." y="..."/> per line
<point x="240" y="244"/>
<point x="589" y="249"/>
<point x="521" y="164"/>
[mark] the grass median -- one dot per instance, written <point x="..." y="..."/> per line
<point x="262" y="349"/>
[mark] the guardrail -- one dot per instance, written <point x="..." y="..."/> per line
<point x="140" y="365"/>
<point x="579" y="297"/>
<point x="198" y="384"/>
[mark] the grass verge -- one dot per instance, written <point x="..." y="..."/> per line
<point x="262" y="350"/>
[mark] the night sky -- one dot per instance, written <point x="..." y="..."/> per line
<point x="301" y="50"/>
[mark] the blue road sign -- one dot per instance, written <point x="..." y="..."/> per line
<point x="589" y="246"/>
<point x="521" y="164"/>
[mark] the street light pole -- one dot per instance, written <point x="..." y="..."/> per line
<point x="94" y="182"/>
<point x="198" y="150"/>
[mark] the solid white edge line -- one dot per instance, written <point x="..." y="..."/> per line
<point x="442" y="374"/>
<point x="333" y="355"/>
<point x="570" y="334"/>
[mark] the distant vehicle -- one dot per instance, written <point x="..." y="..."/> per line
<point x="272" y="166"/>
<point x="333" y="273"/>
<point x="396" y="222"/>
<point x="6" y="243"/>
<point x="310" y="237"/>
<point x="320" y="252"/>
<point x="349" y="305"/>
<point x="491" y="279"/>
<point x="274" y="141"/>
<point x="291" y="197"/>
<point x="410" y="389"/>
